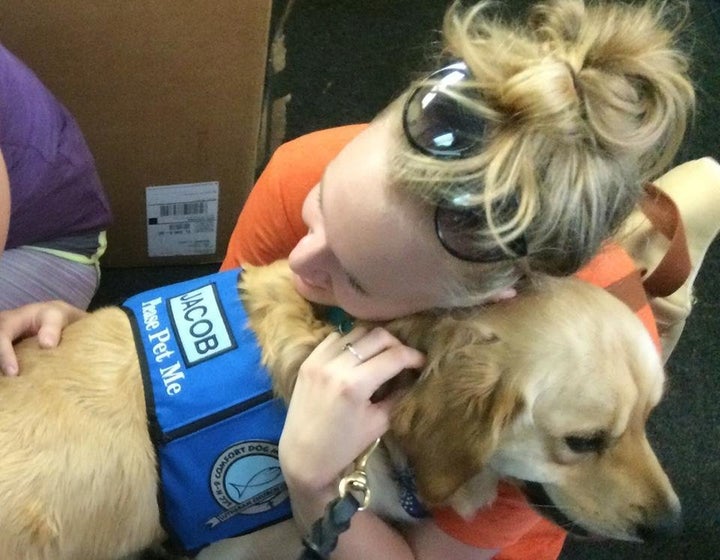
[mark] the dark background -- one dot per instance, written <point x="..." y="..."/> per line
<point x="347" y="58"/>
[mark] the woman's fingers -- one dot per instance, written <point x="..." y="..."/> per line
<point x="331" y="417"/>
<point x="375" y="357"/>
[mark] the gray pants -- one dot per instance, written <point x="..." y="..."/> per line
<point x="28" y="275"/>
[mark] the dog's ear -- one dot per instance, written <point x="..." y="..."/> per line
<point x="284" y="323"/>
<point x="450" y="421"/>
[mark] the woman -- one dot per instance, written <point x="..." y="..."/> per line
<point x="387" y="210"/>
<point x="53" y="210"/>
<point x="518" y="157"/>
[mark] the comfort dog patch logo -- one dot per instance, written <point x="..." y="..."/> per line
<point x="246" y="480"/>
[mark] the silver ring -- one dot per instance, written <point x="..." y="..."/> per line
<point x="350" y="348"/>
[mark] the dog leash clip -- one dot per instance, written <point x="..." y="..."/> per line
<point x="322" y="538"/>
<point x="356" y="482"/>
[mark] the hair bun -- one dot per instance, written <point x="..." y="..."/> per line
<point x="584" y="103"/>
<point x="633" y="80"/>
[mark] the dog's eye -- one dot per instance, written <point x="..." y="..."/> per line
<point x="586" y="444"/>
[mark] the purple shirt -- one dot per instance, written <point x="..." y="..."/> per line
<point x="54" y="185"/>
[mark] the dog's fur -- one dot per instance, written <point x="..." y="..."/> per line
<point x="552" y="387"/>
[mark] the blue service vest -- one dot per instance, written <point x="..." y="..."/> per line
<point x="213" y="418"/>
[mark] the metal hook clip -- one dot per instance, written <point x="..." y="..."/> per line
<point x="356" y="482"/>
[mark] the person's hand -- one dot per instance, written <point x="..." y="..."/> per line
<point x="331" y="418"/>
<point x="44" y="319"/>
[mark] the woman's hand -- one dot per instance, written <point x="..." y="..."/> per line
<point x="45" y="319"/>
<point x="331" y="419"/>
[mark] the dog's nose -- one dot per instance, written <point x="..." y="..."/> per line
<point x="668" y="524"/>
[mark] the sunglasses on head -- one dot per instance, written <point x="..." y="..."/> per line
<point x="437" y="124"/>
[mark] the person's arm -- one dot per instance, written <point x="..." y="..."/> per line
<point x="330" y="421"/>
<point x="44" y="319"/>
<point x="370" y="537"/>
<point x="4" y="203"/>
<point x="432" y="543"/>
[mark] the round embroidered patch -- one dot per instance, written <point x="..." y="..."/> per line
<point x="246" y="479"/>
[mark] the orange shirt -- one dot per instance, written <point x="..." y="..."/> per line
<point x="268" y="228"/>
<point x="270" y="223"/>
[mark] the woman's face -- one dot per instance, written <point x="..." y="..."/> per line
<point x="368" y="249"/>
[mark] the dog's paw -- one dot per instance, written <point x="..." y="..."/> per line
<point x="476" y="493"/>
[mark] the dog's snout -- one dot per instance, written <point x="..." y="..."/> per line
<point x="666" y="525"/>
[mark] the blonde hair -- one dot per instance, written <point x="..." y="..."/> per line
<point x="583" y="104"/>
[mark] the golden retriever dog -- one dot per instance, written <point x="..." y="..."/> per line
<point x="551" y="390"/>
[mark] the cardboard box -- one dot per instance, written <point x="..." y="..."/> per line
<point x="166" y="93"/>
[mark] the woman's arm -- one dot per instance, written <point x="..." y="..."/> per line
<point x="331" y="420"/>
<point x="370" y="537"/>
<point x="431" y="543"/>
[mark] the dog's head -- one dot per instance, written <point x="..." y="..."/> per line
<point x="551" y="390"/>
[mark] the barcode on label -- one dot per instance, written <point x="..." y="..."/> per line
<point x="182" y="219"/>
<point x="204" y="226"/>
<point x="183" y="209"/>
<point x="184" y="226"/>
